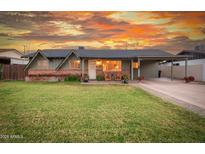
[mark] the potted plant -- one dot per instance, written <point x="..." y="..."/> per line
<point x="141" y="78"/>
<point x="125" y="79"/>
<point x="186" y="79"/>
<point x="191" y="78"/>
<point x="85" y="78"/>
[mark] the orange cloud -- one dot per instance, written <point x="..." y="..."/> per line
<point x="173" y="31"/>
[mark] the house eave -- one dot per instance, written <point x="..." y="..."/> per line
<point x="69" y="54"/>
<point x="34" y="57"/>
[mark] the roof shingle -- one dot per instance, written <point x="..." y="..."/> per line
<point x="86" y="53"/>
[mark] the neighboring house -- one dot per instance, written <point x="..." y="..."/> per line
<point x="196" y="65"/>
<point x="12" y="56"/>
<point x="195" y="54"/>
<point x="11" y="64"/>
<point x="55" y="64"/>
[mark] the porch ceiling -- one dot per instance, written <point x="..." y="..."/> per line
<point x="164" y="58"/>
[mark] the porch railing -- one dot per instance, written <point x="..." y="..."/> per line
<point x="113" y="76"/>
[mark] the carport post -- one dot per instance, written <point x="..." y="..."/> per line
<point x="172" y="70"/>
<point x="186" y="61"/>
<point x="138" y="70"/>
<point x="132" y="69"/>
<point x="82" y="67"/>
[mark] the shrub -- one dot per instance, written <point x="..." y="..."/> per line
<point x="191" y="78"/>
<point x="72" y="78"/>
<point x="100" y="78"/>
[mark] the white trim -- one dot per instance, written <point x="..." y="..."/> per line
<point x="34" y="57"/>
<point x="66" y="58"/>
<point x="132" y="71"/>
<point x="82" y="66"/>
<point x="138" y="70"/>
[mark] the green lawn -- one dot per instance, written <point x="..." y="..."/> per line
<point x="62" y="112"/>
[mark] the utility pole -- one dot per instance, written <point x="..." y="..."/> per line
<point x="29" y="46"/>
<point x="136" y="44"/>
<point x="126" y="45"/>
<point x="24" y="49"/>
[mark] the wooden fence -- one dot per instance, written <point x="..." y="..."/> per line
<point x="13" y="72"/>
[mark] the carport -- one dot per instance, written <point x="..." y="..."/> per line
<point x="161" y="60"/>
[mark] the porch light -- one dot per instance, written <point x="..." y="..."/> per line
<point x="116" y="66"/>
<point x="78" y="61"/>
<point x="98" y="63"/>
<point x="135" y="65"/>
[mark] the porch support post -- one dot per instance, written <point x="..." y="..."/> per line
<point x="186" y="61"/>
<point x="138" y="70"/>
<point x="82" y="67"/>
<point x="132" y="69"/>
<point x="172" y="69"/>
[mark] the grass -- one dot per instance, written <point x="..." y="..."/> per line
<point x="62" y="112"/>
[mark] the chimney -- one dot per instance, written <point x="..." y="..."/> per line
<point x="81" y="47"/>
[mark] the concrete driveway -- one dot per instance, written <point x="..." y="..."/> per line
<point x="189" y="95"/>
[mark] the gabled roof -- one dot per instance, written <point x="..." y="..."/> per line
<point x="50" y="53"/>
<point x="68" y="55"/>
<point x="36" y="54"/>
<point x="121" y="53"/>
<point x="86" y="53"/>
<point x="191" y="51"/>
<point x="29" y="55"/>
<point x="6" y="50"/>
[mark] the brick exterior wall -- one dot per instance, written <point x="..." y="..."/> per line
<point x="46" y="75"/>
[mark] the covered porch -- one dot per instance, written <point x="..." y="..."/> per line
<point x="109" y="69"/>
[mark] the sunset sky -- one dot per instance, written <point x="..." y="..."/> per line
<point x="169" y="31"/>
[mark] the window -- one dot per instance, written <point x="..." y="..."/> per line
<point x="112" y="66"/>
<point x="74" y="64"/>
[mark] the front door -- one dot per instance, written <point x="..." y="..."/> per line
<point x="92" y="69"/>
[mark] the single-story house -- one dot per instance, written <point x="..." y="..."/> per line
<point x="56" y="64"/>
<point x="12" y="64"/>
